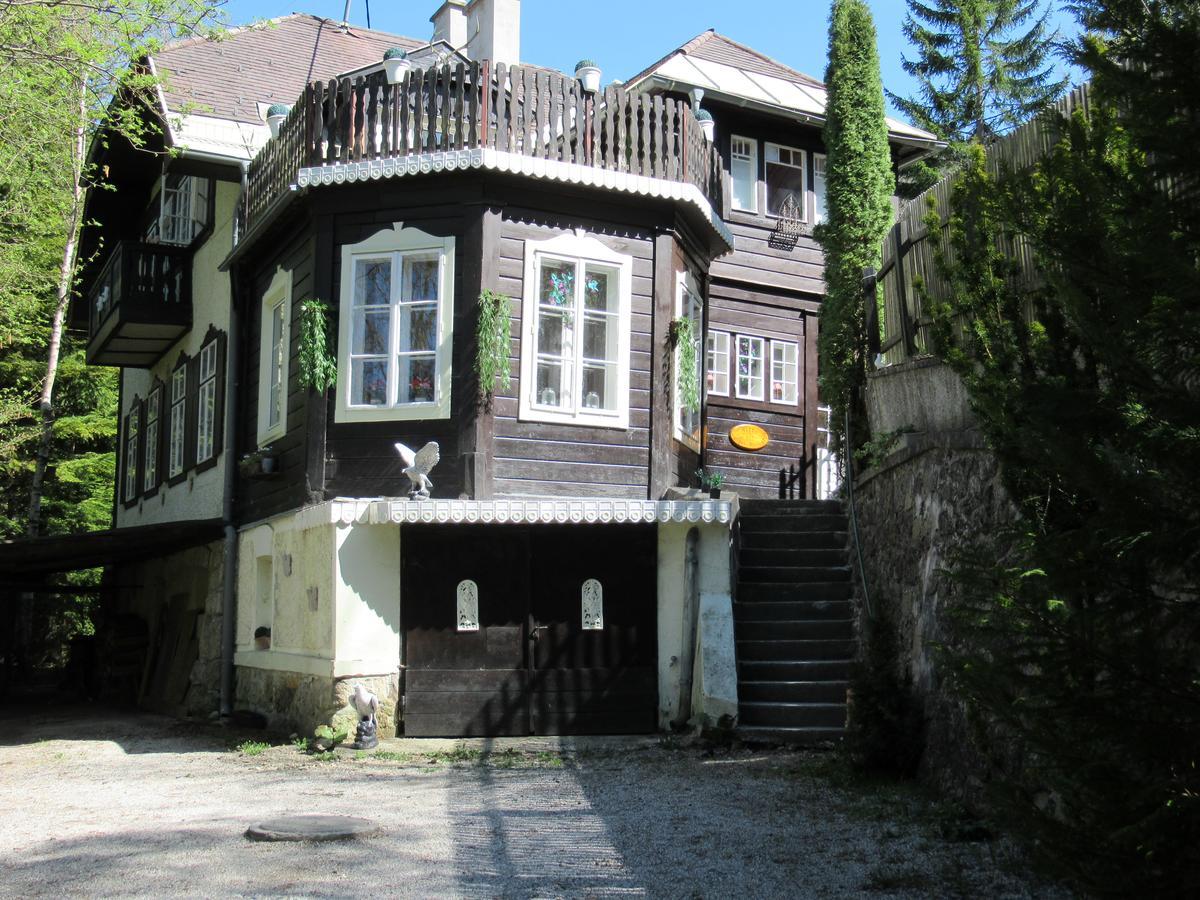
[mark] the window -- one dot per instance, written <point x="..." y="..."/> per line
<point x="785" y="372"/>
<point x="273" y="359"/>
<point x="785" y="181"/>
<point x="688" y="305"/>
<point x="182" y="211"/>
<point x="132" y="424"/>
<point x="175" y="464"/>
<point x="396" y="327"/>
<point x="819" y="186"/>
<point x="152" y="449"/>
<point x="575" y="341"/>
<point x="750" y="351"/>
<point x="717" y="363"/>
<point x="206" y="425"/>
<point x="743" y="166"/>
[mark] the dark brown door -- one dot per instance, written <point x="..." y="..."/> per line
<point x="534" y="665"/>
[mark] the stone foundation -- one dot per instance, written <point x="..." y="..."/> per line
<point x="299" y="703"/>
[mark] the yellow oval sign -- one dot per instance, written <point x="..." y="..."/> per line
<point x="748" y="437"/>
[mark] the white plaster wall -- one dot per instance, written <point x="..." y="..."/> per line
<point x="200" y="496"/>
<point x="368" y="600"/>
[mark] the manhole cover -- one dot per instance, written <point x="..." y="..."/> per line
<point x="311" y="828"/>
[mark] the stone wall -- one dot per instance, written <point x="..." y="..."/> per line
<point x="299" y="703"/>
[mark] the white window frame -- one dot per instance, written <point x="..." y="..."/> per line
<point x="794" y="384"/>
<point x="277" y="295"/>
<point x="133" y="424"/>
<point x="206" y="403"/>
<point x="685" y="285"/>
<point x="150" y="452"/>
<point x="580" y="249"/>
<point x="189" y="200"/>
<point x="802" y="168"/>
<point x="175" y="451"/>
<point x="711" y="353"/>
<point x="820" y="210"/>
<point x="396" y="241"/>
<point x="734" y="158"/>
<point x="762" y="378"/>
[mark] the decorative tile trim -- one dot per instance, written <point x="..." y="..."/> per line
<point x="516" y="164"/>
<point x="561" y="512"/>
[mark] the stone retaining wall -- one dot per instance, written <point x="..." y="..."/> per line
<point x="299" y="703"/>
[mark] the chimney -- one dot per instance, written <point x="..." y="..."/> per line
<point x="450" y="23"/>
<point x="494" y="29"/>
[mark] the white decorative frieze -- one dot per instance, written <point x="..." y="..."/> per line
<point x="567" y="511"/>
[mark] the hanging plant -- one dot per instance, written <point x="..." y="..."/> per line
<point x="683" y="340"/>
<point x="493" y="340"/>
<point x="318" y="364"/>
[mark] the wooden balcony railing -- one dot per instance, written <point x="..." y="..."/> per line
<point x="516" y="109"/>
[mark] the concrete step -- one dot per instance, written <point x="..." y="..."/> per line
<point x="753" y="734"/>
<point x="792" y="574"/>
<point x="796" y="630"/>
<point x="793" y="523"/>
<point x="791" y="557"/>
<point x="794" y="670"/>
<point x="793" y="715"/>
<point x="793" y="691"/>
<point x="754" y="592"/>
<point x="791" y="610"/>
<point x="790" y="507"/>
<point x="794" y="540"/>
<point x="795" y="650"/>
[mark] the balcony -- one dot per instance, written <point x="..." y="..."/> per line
<point x="517" y="119"/>
<point x="140" y="305"/>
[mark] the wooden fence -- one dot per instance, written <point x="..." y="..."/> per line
<point x="517" y="109"/>
<point x="901" y="329"/>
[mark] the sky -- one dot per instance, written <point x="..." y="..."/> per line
<point x="627" y="36"/>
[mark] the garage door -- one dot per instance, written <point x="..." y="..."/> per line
<point x="529" y="630"/>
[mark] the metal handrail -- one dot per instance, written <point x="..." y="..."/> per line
<point x="862" y="572"/>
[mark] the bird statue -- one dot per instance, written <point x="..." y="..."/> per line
<point x="417" y="467"/>
<point x="366" y="704"/>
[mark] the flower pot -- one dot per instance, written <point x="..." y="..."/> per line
<point x="714" y="493"/>
<point x="709" y="127"/>
<point x="268" y="464"/>
<point x="275" y="123"/>
<point x="589" y="77"/>
<point x="396" y="68"/>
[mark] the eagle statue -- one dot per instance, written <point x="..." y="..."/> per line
<point x="417" y="467"/>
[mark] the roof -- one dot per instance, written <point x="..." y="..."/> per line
<point x="729" y="70"/>
<point x="229" y="77"/>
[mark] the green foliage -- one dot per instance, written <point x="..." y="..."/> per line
<point x="493" y="343"/>
<point x="252" y="748"/>
<point x="318" y="360"/>
<point x="683" y="340"/>
<point x="982" y="68"/>
<point x="880" y="446"/>
<point x="859" y="185"/>
<point x="1080" y="638"/>
<point x="886" y="727"/>
<point x="330" y="736"/>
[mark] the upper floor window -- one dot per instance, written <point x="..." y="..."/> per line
<point x="819" y="186"/>
<point x="175" y="447"/>
<point x="397" y="315"/>
<point x="182" y="211"/>
<point x="785" y="372"/>
<point x="575" y="338"/>
<point x="750" y="375"/>
<point x="688" y="305"/>
<point x="743" y="166"/>
<point x="785" y="181"/>
<point x="152" y="449"/>
<point x="717" y="363"/>
<point x="273" y="357"/>
<point x="132" y="430"/>
<point x="206" y="425"/>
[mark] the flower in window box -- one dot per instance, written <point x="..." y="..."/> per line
<point x="421" y="387"/>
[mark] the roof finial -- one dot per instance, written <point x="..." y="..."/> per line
<point x="346" y="16"/>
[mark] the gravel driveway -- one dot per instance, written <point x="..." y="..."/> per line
<point x="108" y="804"/>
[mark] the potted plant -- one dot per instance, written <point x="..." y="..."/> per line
<point x="276" y="114"/>
<point x="395" y="63"/>
<point x="711" y="482"/>
<point x="588" y="73"/>
<point x="707" y="125"/>
<point x="263" y="461"/>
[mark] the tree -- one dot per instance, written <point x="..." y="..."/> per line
<point x="1081" y="632"/>
<point x="982" y="68"/>
<point x="859" y="187"/>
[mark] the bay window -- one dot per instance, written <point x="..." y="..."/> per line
<point x="575" y="340"/>
<point x="396" y="314"/>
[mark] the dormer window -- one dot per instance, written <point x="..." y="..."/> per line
<point x="182" y="210"/>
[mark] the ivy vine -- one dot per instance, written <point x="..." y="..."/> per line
<point x="493" y="341"/>
<point x="318" y="363"/>
<point x="683" y="340"/>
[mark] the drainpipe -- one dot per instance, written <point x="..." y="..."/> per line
<point x="229" y="583"/>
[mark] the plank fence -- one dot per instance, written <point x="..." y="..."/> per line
<point x="515" y="109"/>
<point x="900" y="327"/>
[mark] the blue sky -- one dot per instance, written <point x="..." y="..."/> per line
<point x="626" y="36"/>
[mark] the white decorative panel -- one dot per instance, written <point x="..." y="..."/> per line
<point x="468" y="606"/>
<point x="593" y="605"/>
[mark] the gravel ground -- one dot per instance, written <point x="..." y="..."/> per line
<point x="121" y="804"/>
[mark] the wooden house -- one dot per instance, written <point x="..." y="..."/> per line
<point x="564" y="575"/>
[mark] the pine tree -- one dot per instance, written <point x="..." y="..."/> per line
<point x="982" y="68"/>
<point x="859" y="188"/>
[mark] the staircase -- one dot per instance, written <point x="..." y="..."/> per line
<point x="793" y="621"/>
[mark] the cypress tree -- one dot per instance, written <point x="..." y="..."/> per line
<point x="859" y="188"/>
